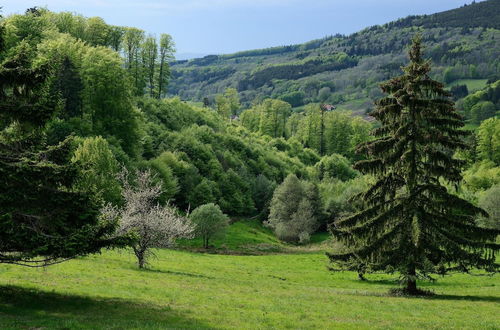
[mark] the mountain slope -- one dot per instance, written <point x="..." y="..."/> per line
<point x="463" y="43"/>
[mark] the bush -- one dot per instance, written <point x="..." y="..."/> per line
<point x="335" y="166"/>
<point x="210" y="222"/>
<point x="489" y="201"/>
<point x="296" y="99"/>
<point x="97" y="169"/>
<point x="294" y="210"/>
<point x="337" y="196"/>
<point x="262" y="192"/>
<point x="482" y="111"/>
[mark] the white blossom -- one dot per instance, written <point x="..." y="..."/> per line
<point x="155" y="225"/>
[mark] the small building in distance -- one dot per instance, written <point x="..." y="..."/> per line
<point x="328" y="107"/>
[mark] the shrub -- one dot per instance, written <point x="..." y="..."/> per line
<point x="489" y="201"/>
<point x="210" y="222"/>
<point x="335" y="166"/>
<point x="294" y="210"/>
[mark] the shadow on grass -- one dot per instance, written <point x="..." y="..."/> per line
<point x="433" y="296"/>
<point x="379" y="282"/>
<point x="436" y="296"/>
<point x="171" y="272"/>
<point x="425" y="284"/>
<point x="32" y="308"/>
<point x="467" y="298"/>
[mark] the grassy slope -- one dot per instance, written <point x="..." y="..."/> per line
<point x="473" y="85"/>
<point x="244" y="237"/>
<point x="194" y="290"/>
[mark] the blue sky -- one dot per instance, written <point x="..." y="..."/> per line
<point x="225" y="26"/>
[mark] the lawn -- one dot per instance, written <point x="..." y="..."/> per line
<point x="185" y="289"/>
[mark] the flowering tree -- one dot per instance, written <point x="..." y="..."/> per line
<point x="155" y="225"/>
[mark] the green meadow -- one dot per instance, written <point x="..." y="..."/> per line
<point x="279" y="286"/>
<point x="473" y="85"/>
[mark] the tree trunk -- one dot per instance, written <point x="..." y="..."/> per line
<point x="411" y="284"/>
<point x="205" y="242"/>
<point x="141" y="257"/>
<point x="361" y="276"/>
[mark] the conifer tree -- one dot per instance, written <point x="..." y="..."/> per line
<point x="411" y="223"/>
<point x="43" y="220"/>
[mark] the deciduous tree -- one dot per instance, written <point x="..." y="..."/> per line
<point x="43" y="220"/>
<point x="154" y="225"/>
<point x="167" y="50"/>
<point x="210" y="222"/>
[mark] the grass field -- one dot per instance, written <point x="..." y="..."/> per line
<point x="185" y="289"/>
<point x="473" y="85"/>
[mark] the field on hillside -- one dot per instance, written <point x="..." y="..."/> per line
<point x="473" y="85"/>
<point x="184" y="289"/>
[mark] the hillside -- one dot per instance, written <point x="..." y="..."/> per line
<point x="462" y="43"/>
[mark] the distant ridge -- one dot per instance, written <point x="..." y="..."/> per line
<point x="463" y="43"/>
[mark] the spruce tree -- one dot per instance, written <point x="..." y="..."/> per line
<point x="412" y="224"/>
<point x="43" y="219"/>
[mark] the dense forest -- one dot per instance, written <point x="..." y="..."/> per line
<point x="104" y="125"/>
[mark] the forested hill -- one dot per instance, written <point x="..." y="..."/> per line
<point x="463" y="43"/>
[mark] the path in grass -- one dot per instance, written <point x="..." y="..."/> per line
<point x="199" y="290"/>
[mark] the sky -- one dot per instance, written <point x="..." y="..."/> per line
<point x="201" y="27"/>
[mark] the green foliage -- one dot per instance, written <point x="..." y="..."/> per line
<point x="43" y="220"/>
<point x="167" y="50"/>
<point x="95" y="89"/>
<point x="146" y="58"/>
<point x="296" y="70"/>
<point x="339" y="131"/>
<point x="169" y="182"/>
<point x="489" y="201"/>
<point x="213" y="157"/>
<point x="204" y="193"/>
<point x="227" y="104"/>
<point x="488" y="145"/>
<point x="28" y="28"/>
<point x="295" y="99"/>
<point x="329" y="132"/>
<point x="262" y="192"/>
<point x="273" y="115"/>
<point x="210" y="222"/>
<point x="295" y="210"/>
<point x="97" y="170"/>
<point x="482" y="176"/>
<point x="484" y="13"/>
<point x="70" y="86"/>
<point x="482" y="104"/>
<point x="250" y="119"/>
<point x="338" y="197"/>
<point x="335" y="166"/>
<point x="108" y="99"/>
<point x="459" y="91"/>
<point x="411" y="223"/>
<point x="236" y="195"/>
<point x="482" y="111"/>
